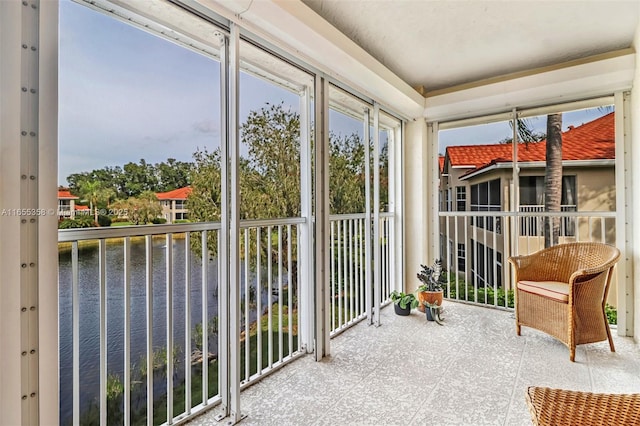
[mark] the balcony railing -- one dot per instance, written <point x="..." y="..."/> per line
<point x="476" y="257"/>
<point x="139" y="311"/>
<point x="349" y="268"/>
<point x="534" y="225"/>
<point x="137" y="307"/>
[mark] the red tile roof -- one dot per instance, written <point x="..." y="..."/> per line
<point x="594" y="140"/>
<point x="441" y="163"/>
<point x="176" y="194"/>
<point x="65" y="194"/>
<point x="81" y="207"/>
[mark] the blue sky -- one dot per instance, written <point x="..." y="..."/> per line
<point x="125" y="95"/>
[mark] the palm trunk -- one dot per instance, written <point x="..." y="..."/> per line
<point x="553" y="179"/>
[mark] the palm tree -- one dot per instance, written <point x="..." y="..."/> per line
<point x="95" y="192"/>
<point x="553" y="179"/>
<point x="553" y="170"/>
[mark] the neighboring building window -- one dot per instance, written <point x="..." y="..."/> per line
<point x="462" y="257"/>
<point x="179" y="204"/>
<point x="532" y="200"/>
<point x="447" y="200"/>
<point x="461" y="198"/>
<point x="485" y="197"/>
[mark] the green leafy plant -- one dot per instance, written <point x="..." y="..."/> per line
<point x="403" y="300"/>
<point x="432" y="277"/>
<point x="612" y="314"/>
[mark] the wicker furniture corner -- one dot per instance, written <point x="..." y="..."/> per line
<point x="553" y="407"/>
<point x="587" y="269"/>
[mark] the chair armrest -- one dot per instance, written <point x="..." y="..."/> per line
<point x="593" y="271"/>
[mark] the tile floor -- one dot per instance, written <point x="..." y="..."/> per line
<point x="472" y="371"/>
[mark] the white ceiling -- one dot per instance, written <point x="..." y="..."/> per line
<point x="440" y="44"/>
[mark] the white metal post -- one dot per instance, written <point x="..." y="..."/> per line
<point x="205" y="316"/>
<point x="515" y="193"/>
<point x="229" y="252"/>
<point x="169" y="325"/>
<point x="223" y="237"/>
<point x="47" y="49"/>
<point x="234" y="226"/>
<point x="322" y="243"/>
<point x="398" y="261"/>
<point x="624" y="227"/>
<point x="377" y="282"/>
<point x="368" y="292"/>
<point x="305" y="267"/>
<point x="27" y="239"/>
<point x="433" y="207"/>
<point x="149" y="323"/>
<point x="127" y="334"/>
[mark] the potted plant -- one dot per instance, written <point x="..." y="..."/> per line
<point x="434" y="312"/>
<point x="403" y="303"/>
<point x="431" y="291"/>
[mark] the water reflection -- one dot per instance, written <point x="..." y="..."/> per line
<point x="89" y="307"/>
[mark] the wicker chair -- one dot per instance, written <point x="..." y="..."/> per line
<point x="562" y="290"/>
<point x="552" y="407"/>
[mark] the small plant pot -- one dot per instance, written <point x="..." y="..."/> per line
<point x="400" y="311"/>
<point x="429" y="315"/>
<point x="429" y="297"/>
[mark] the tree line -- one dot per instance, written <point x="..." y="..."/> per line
<point x="269" y="175"/>
<point x="133" y="179"/>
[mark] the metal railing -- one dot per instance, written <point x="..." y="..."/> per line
<point x="139" y="317"/>
<point x="349" y="266"/>
<point x="475" y="258"/>
<point x="534" y="225"/>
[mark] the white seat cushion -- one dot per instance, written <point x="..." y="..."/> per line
<point x="552" y="289"/>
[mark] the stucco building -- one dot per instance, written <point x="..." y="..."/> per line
<point x="479" y="178"/>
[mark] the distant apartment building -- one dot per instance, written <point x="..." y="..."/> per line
<point x="66" y="204"/>
<point x="67" y="207"/>
<point x="173" y="204"/>
<point x="479" y="178"/>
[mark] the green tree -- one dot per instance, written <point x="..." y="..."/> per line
<point x="346" y="174"/>
<point x="270" y="178"/>
<point x="140" y="177"/>
<point x="140" y="210"/>
<point x="172" y="175"/>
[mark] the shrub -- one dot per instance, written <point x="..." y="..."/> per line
<point x="78" y="222"/>
<point x="158" y="220"/>
<point x="67" y="224"/>
<point x="612" y="314"/>
<point x="119" y="219"/>
<point x="104" y="220"/>
<point x="467" y="292"/>
<point x="182" y="221"/>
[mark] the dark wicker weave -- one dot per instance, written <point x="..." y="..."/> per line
<point x="556" y="407"/>
<point x="587" y="268"/>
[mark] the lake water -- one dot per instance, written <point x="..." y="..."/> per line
<point x="90" y="312"/>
